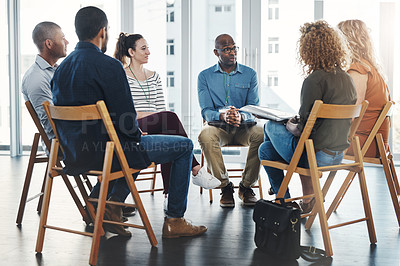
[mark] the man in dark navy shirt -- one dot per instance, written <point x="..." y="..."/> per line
<point x="86" y="76"/>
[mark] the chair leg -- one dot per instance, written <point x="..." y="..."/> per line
<point x="46" y="196"/>
<point x="260" y="187"/>
<point x="390" y="174"/>
<point x="367" y="207"/>
<point x="40" y="202"/>
<point x="101" y="204"/>
<point x="28" y="178"/>
<point x="85" y="196"/>
<point x="345" y="190"/>
<point x="75" y="197"/>
<point x="319" y="200"/>
<point x="153" y="182"/>
<point x="325" y="189"/>
<point x="87" y="182"/>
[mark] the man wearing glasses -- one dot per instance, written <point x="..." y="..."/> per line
<point x="223" y="89"/>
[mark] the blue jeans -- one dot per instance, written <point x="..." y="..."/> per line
<point x="279" y="145"/>
<point x="163" y="149"/>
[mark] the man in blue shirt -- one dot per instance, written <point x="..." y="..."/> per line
<point x="223" y="89"/>
<point x="86" y="76"/>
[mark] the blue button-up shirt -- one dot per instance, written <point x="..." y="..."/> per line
<point x="218" y="89"/>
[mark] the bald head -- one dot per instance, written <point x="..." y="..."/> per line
<point x="43" y="31"/>
<point x="223" y="40"/>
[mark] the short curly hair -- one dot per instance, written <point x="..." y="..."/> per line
<point x="321" y="47"/>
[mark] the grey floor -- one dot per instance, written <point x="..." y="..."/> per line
<point x="229" y="240"/>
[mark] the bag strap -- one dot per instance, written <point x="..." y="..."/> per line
<point x="313" y="254"/>
<point x="282" y="201"/>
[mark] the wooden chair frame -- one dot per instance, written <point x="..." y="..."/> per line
<point x="96" y="111"/>
<point x="327" y="111"/>
<point x="385" y="159"/>
<point x="230" y="170"/>
<point x="36" y="157"/>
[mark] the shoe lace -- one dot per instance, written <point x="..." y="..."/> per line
<point x="228" y="188"/>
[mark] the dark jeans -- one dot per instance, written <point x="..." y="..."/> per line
<point x="162" y="149"/>
<point x="166" y="123"/>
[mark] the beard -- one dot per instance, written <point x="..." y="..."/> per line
<point x="104" y="46"/>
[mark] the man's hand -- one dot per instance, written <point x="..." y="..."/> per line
<point x="233" y="117"/>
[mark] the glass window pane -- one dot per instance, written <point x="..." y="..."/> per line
<point x="203" y="37"/>
<point x="65" y="19"/>
<point x="4" y="83"/>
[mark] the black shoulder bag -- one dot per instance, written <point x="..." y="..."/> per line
<point x="278" y="232"/>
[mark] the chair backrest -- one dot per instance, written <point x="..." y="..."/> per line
<point x="96" y="111"/>
<point x="38" y="125"/>
<point x="378" y="123"/>
<point x="328" y="111"/>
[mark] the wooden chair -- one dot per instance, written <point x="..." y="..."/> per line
<point x="96" y="111"/>
<point x="36" y="157"/>
<point x="385" y="159"/>
<point x="327" y="111"/>
<point x="232" y="172"/>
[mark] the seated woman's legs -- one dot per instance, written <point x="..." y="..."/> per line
<point x="166" y="123"/>
<point x="279" y="145"/>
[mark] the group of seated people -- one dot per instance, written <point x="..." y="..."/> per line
<point x="339" y="66"/>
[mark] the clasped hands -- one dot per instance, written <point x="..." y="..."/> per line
<point x="232" y="116"/>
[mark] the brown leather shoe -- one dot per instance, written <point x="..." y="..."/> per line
<point x="307" y="207"/>
<point x="247" y="195"/>
<point x="114" y="213"/>
<point x="178" y="227"/>
<point x="227" y="200"/>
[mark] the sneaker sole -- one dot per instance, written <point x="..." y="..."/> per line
<point x="227" y="205"/>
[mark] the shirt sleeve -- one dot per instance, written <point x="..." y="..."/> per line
<point x="310" y="92"/>
<point x="208" y="111"/>
<point x="37" y="93"/>
<point x="252" y="97"/>
<point x="160" y="99"/>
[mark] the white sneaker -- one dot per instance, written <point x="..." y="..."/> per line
<point x="205" y="179"/>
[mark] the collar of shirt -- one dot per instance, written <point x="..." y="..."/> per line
<point x="218" y="68"/>
<point x="43" y="64"/>
<point x="87" y="45"/>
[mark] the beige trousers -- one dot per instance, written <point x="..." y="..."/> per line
<point x="211" y="140"/>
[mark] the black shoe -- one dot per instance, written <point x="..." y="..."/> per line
<point x="227" y="200"/>
<point x="128" y="211"/>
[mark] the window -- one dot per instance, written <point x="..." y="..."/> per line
<point x="273" y="45"/>
<point x="273" y="9"/>
<point x="218" y="8"/>
<point x="273" y="80"/>
<point x="29" y="19"/>
<point x="170" y="79"/>
<point x="227" y="8"/>
<point x="171" y="16"/>
<point x="4" y="77"/>
<point x="171" y="107"/>
<point x="170" y="47"/>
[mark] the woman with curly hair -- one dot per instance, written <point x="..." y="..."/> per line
<point x="323" y="56"/>
<point x="368" y="79"/>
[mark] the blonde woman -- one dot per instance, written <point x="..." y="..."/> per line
<point x="148" y="98"/>
<point x="368" y="79"/>
<point x="322" y="54"/>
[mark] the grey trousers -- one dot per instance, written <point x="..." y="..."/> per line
<point x="211" y="140"/>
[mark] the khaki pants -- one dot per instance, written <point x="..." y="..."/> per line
<point x="212" y="138"/>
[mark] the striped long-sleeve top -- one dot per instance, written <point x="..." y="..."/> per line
<point x="147" y="96"/>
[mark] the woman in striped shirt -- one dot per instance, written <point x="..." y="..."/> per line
<point x="149" y="101"/>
